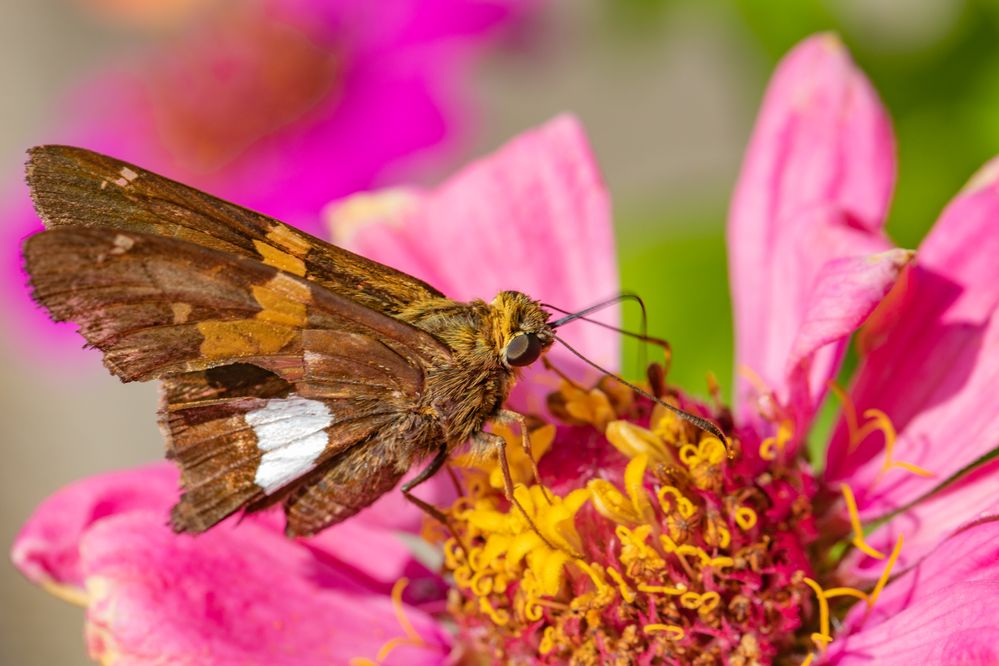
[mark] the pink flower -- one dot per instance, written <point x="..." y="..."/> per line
<point x="647" y="539"/>
<point x="243" y="593"/>
<point x="279" y="105"/>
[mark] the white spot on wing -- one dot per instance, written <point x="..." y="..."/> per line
<point x="127" y="176"/>
<point x="122" y="244"/>
<point x="290" y="433"/>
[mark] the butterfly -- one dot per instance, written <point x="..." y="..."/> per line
<point x="293" y="372"/>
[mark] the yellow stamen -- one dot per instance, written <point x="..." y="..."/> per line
<point x="683" y="505"/>
<point x="411" y="637"/>
<point x="823" y="637"/>
<point x="595" y="575"/>
<point x="705" y="603"/>
<point x="753" y="378"/>
<point x="398" y="608"/>
<point x="627" y="593"/>
<point x="637" y="556"/>
<point x="631" y="440"/>
<point x="876" y="421"/>
<point x="883" y="580"/>
<point x="660" y="589"/>
<point x="745" y="518"/>
<point x="883" y="423"/>
<point x="675" y="632"/>
<point x="611" y="502"/>
<point x="821" y="641"/>
<point x="67" y="593"/>
<point x="850" y="414"/>
<point x="858" y="530"/>
<point x="393" y="643"/>
<point x="547" y="641"/>
<point x="834" y="592"/>
<point x="499" y="617"/>
<point x="771" y="447"/>
<point x="823" y="609"/>
<point x="634" y="483"/>
<point x="593" y="406"/>
<point x="688" y="455"/>
<point x="709" y="602"/>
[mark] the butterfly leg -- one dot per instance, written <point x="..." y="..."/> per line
<point x="499" y="444"/>
<point x="427" y="507"/>
<point x="508" y="416"/>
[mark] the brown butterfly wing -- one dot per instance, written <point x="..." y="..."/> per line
<point x="159" y="306"/>
<point x="77" y="187"/>
<point x="270" y="381"/>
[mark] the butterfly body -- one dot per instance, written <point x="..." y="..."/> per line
<point x="293" y="371"/>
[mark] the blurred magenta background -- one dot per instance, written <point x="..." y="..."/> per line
<point x="667" y="90"/>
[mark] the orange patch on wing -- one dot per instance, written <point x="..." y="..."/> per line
<point x="289" y="240"/>
<point x="283" y="302"/>
<point x="280" y="259"/>
<point x="246" y="337"/>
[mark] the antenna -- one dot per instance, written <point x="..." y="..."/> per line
<point x="702" y="423"/>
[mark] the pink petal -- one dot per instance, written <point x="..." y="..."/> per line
<point x="953" y="626"/>
<point x="231" y="596"/>
<point x="46" y="549"/>
<point x="533" y="217"/>
<point x="822" y="152"/>
<point x="939" y="612"/>
<point x="975" y="497"/>
<point x="376" y="558"/>
<point x="931" y="359"/>
<point x="845" y="291"/>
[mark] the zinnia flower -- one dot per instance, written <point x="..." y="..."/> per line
<point x="646" y="540"/>
<point x="280" y="106"/>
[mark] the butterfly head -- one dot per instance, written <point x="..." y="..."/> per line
<point x="521" y="330"/>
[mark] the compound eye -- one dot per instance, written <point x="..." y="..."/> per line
<point x="524" y="349"/>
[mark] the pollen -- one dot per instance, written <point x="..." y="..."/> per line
<point x="673" y="550"/>
<point x="644" y="536"/>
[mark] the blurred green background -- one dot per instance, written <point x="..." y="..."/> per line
<point x="668" y="91"/>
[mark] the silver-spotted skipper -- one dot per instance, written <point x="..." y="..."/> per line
<point x="293" y="371"/>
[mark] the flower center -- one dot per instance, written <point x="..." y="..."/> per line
<point x="666" y="545"/>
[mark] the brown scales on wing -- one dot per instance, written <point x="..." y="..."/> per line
<point x="235" y="310"/>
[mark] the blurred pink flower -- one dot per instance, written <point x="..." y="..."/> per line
<point x="649" y="539"/>
<point x="278" y="105"/>
<point x="537" y="213"/>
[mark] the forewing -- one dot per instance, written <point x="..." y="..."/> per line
<point x="159" y="306"/>
<point x="77" y="187"/>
